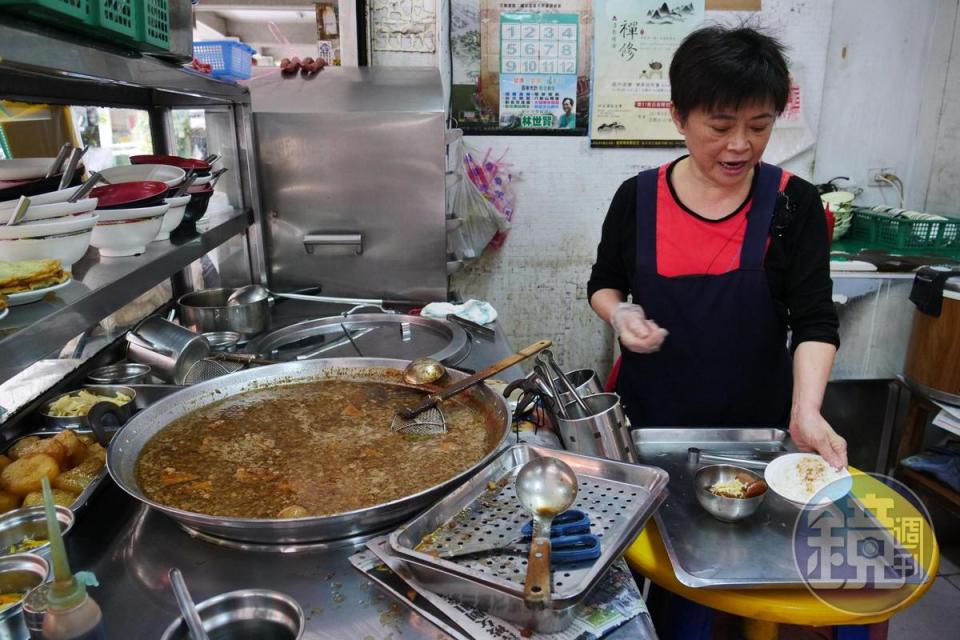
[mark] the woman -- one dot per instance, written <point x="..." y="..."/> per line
<point x="721" y="254"/>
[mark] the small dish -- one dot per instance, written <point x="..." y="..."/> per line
<point x="783" y="478"/>
<point x="249" y="613"/>
<point x="122" y="373"/>
<point x="721" y="507"/>
<point x="31" y="523"/>
<point x="21" y="572"/>
<point x="222" y="341"/>
<point x="123" y="410"/>
<point x="26" y="297"/>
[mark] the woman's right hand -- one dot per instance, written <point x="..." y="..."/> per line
<point x="635" y="331"/>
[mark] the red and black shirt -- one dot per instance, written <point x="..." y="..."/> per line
<point x="797" y="260"/>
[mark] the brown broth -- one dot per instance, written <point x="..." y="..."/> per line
<point x="324" y="446"/>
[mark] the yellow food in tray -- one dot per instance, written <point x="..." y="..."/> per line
<point x="9" y="599"/>
<point x="78" y="404"/>
<point x="28" y="275"/>
<point x="69" y="461"/>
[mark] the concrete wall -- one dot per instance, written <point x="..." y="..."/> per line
<point x="539" y="277"/>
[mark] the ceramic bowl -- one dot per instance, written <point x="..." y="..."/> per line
<point x="64" y="239"/>
<point x="165" y="173"/>
<point x="38" y="212"/>
<point x="128" y="238"/>
<point x="135" y="213"/>
<point x="178" y="207"/>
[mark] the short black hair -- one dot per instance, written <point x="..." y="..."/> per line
<point x="570" y="100"/>
<point x="719" y="67"/>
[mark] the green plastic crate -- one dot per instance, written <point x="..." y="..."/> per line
<point x="119" y="17"/>
<point x="61" y="13"/>
<point x="941" y="237"/>
<point x="154" y="25"/>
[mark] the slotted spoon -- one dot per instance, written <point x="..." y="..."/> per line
<point x="426" y="418"/>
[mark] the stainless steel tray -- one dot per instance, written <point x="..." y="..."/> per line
<point x="756" y="552"/>
<point x="618" y="497"/>
<point x="91" y="488"/>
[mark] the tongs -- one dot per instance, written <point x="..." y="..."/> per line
<point x="753" y="458"/>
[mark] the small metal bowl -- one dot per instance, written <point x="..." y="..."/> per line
<point x="19" y="573"/>
<point x="30" y="522"/>
<point x="249" y="613"/>
<point x="124" y="411"/>
<point x="121" y="373"/>
<point x="222" y="341"/>
<point x="725" y="509"/>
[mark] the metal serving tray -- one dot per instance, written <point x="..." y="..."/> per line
<point x="756" y="552"/>
<point x="89" y="490"/>
<point x="618" y="497"/>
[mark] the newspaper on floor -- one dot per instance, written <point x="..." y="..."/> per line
<point x="613" y="602"/>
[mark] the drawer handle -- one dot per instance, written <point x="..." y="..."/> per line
<point x="313" y="240"/>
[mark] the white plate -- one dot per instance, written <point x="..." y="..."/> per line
<point x="172" y="176"/>
<point x="47" y="211"/>
<point x="26" y="297"/>
<point x="781" y="471"/>
<point x="24" y="168"/>
<point x="4" y="313"/>
<point x="119" y="215"/>
<point x="47" y="228"/>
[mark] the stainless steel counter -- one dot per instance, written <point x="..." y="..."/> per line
<point x="131" y="548"/>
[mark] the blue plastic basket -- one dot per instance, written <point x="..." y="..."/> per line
<point x="230" y="60"/>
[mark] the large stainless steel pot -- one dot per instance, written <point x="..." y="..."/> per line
<point x="128" y="443"/>
<point x="207" y="310"/>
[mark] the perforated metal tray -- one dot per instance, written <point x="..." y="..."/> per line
<point x="618" y="498"/>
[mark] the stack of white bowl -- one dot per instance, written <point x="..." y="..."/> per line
<point x="52" y="228"/>
<point x="127" y="232"/>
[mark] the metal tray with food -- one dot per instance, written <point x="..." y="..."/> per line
<point x="705" y="552"/>
<point x="616" y="498"/>
<point x="72" y="459"/>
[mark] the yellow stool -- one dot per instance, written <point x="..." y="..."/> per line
<point x="764" y="609"/>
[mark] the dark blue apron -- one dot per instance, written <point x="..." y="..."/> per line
<point x="725" y="361"/>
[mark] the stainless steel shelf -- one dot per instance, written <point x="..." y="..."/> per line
<point x="51" y="66"/>
<point x="100" y="287"/>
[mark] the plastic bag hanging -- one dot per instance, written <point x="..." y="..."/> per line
<point x="482" y="197"/>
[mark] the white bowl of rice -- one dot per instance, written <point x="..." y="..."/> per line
<point x="807" y="479"/>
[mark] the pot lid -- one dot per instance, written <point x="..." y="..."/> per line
<point x="375" y="335"/>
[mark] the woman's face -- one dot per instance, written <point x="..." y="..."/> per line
<point x="726" y="144"/>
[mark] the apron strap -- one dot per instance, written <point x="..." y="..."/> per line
<point x="760" y="216"/>
<point x="647" y="220"/>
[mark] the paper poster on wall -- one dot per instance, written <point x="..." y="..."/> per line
<point x="538" y="70"/>
<point x="634" y="43"/>
<point x="563" y="37"/>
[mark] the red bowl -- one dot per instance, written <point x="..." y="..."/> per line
<point x="113" y="196"/>
<point x="175" y="161"/>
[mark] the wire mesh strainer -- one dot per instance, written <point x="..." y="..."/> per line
<point x="208" y="369"/>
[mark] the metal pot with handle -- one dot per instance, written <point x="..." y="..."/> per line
<point x="207" y="310"/>
<point x="168" y="348"/>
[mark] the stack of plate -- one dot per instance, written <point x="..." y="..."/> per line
<point x="841" y="206"/>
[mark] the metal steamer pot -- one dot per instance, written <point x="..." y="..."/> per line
<point x="126" y="446"/>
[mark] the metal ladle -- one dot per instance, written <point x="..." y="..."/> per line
<point x="423" y="371"/>
<point x="546" y="487"/>
<point x="187" y="608"/>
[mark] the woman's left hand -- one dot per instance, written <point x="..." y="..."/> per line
<point x="810" y="432"/>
